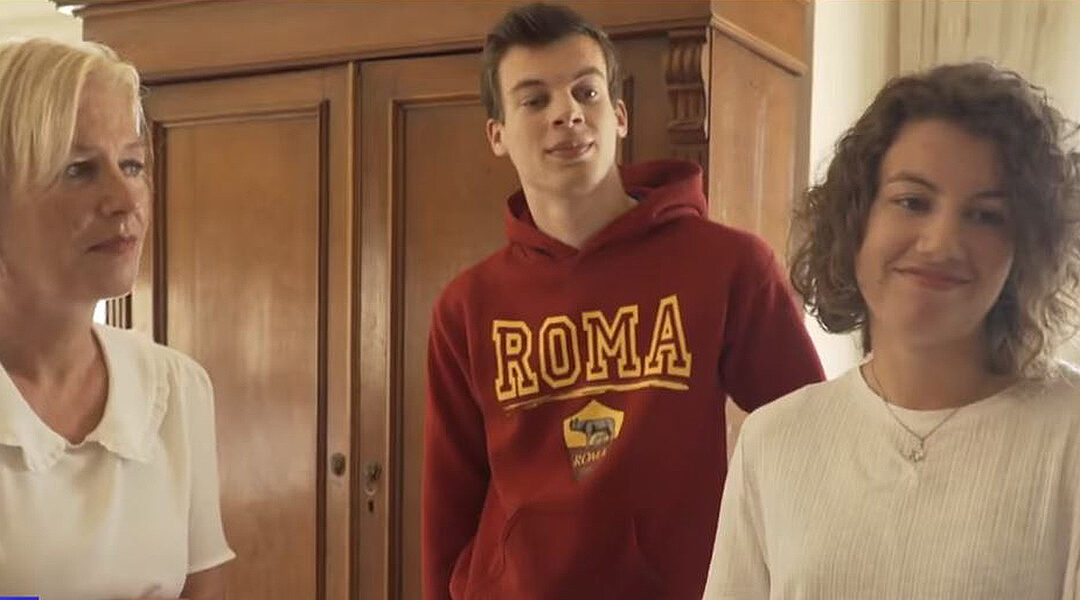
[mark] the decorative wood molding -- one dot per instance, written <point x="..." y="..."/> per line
<point x="112" y="7"/>
<point x="118" y="311"/>
<point x="773" y="29"/>
<point x="176" y="40"/>
<point x="322" y="319"/>
<point x="757" y="45"/>
<point x="155" y="309"/>
<point x="686" y="71"/>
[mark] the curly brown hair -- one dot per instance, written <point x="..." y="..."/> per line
<point x="1037" y="307"/>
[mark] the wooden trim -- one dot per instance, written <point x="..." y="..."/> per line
<point x="371" y="333"/>
<point x="759" y="46"/>
<point x="118" y="311"/>
<point x="322" y="456"/>
<point x="355" y="175"/>
<point x="271" y="114"/>
<point x="395" y="451"/>
<point x="687" y="72"/>
<point x="173" y="40"/>
<point x="801" y="175"/>
<point x="249" y="36"/>
<point x="159" y="298"/>
<point x="114" y="7"/>
<point x="336" y="318"/>
<point x="152" y="76"/>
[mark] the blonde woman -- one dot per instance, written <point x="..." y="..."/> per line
<point x="108" y="476"/>
<point x="947" y="465"/>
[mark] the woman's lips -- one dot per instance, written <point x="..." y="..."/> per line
<point x="934" y="279"/>
<point x="117" y="245"/>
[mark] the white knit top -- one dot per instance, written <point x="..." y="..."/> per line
<point x="821" y="500"/>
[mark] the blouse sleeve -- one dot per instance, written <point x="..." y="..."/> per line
<point x="207" y="546"/>
<point x="738" y="570"/>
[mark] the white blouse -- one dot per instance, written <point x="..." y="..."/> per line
<point x="131" y="510"/>
<point x="823" y="501"/>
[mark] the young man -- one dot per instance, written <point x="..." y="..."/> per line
<point x="575" y="442"/>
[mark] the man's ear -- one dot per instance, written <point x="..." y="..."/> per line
<point x="494" y="135"/>
<point x="622" y="119"/>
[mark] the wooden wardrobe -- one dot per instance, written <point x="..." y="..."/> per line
<point x="322" y="171"/>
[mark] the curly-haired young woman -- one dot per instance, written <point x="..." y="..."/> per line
<point x="947" y="464"/>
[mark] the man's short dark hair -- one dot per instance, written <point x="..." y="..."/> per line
<point x="537" y="25"/>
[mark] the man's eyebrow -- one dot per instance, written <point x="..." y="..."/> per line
<point x="526" y="83"/>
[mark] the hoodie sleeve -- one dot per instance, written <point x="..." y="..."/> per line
<point x="455" y="471"/>
<point x="767" y="350"/>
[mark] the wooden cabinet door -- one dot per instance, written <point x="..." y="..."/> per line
<point x="433" y="203"/>
<point x="249" y="268"/>
<point x="432" y="199"/>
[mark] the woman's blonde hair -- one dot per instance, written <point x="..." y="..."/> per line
<point x="41" y="81"/>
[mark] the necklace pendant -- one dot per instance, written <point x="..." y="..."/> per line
<point x="916" y="454"/>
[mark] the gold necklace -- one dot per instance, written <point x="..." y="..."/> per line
<point x="917" y="452"/>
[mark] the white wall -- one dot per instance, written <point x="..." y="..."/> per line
<point x="1040" y="39"/>
<point x="29" y="18"/>
<point x="855" y="53"/>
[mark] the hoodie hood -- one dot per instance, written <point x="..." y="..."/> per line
<point x="665" y="190"/>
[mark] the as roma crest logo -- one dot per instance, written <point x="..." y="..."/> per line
<point x="588" y="433"/>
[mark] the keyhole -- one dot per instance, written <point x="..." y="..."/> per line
<point x="372" y="473"/>
<point x="371" y="506"/>
<point x="338" y="464"/>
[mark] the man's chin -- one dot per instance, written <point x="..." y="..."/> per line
<point x="575" y="178"/>
<point x="572" y="186"/>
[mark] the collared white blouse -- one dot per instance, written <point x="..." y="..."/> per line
<point x="131" y="510"/>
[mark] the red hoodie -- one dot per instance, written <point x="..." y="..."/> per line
<point x="575" y="435"/>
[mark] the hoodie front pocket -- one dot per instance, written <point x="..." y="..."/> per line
<point x="552" y="552"/>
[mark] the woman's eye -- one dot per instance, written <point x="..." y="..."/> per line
<point x="132" y="168"/>
<point x="913" y="203"/>
<point x="79" y="170"/>
<point x="988" y="217"/>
